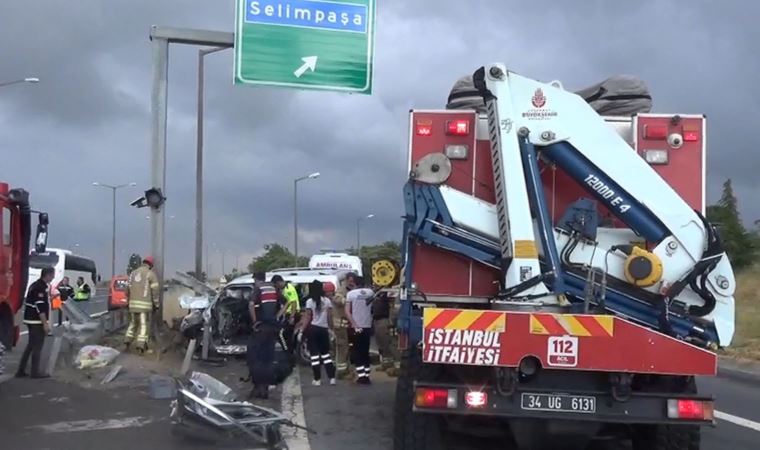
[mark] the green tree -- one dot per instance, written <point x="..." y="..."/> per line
<point x="276" y="256"/>
<point x="741" y="245"/>
<point x="370" y="253"/>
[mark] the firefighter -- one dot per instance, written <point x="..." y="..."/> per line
<point x="142" y="294"/>
<point x="292" y="312"/>
<point x="342" y="325"/>
<point x="36" y="311"/>
<point x="266" y="308"/>
<point x="82" y="291"/>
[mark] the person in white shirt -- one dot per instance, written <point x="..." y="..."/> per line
<point x="359" y="314"/>
<point x="316" y="323"/>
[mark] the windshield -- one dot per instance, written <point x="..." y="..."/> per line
<point x="120" y="285"/>
<point x="42" y="261"/>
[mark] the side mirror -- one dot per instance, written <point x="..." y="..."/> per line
<point x="40" y="241"/>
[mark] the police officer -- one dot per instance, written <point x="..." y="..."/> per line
<point x="292" y="312"/>
<point x="82" y="291"/>
<point x="142" y="292"/>
<point x="36" y="312"/>
<point x="342" y="325"/>
<point x="266" y="307"/>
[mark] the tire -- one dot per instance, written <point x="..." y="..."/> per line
<point x="414" y="431"/>
<point x="667" y="437"/>
<point x="6" y="330"/>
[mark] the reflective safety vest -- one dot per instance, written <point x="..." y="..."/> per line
<point x="81" y="294"/>
<point x="291" y="297"/>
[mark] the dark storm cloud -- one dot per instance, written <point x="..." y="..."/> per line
<point x="88" y="120"/>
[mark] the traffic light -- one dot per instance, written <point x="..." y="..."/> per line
<point x="154" y="197"/>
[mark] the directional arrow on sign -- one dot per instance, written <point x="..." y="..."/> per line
<point x="309" y="63"/>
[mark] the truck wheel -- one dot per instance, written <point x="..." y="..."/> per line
<point x="667" y="437"/>
<point x="413" y="431"/>
<point x="6" y="330"/>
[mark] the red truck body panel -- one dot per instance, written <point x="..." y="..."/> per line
<point x="11" y="259"/>
<point x="445" y="274"/>
<point x="560" y="341"/>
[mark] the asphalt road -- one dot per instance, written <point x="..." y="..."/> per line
<point x="349" y="416"/>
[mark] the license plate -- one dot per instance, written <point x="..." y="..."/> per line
<point x="559" y="403"/>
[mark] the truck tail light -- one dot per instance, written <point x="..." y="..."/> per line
<point x="435" y="398"/>
<point x="690" y="135"/>
<point x="424" y="129"/>
<point x="655" y="132"/>
<point x="476" y="399"/>
<point x="458" y="127"/>
<point x="690" y="409"/>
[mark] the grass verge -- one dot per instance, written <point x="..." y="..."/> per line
<point x="746" y="343"/>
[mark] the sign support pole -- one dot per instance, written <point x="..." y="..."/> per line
<point x="161" y="37"/>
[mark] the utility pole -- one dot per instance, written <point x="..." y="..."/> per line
<point x="199" y="160"/>
<point x="295" y="211"/>
<point x="113" y="219"/>
<point x="358" y="233"/>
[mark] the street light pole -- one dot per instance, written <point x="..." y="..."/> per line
<point x="358" y="233"/>
<point x="113" y="219"/>
<point x="23" y="80"/>
<point x="295" y="211"/>
<point x="199" y="161"/>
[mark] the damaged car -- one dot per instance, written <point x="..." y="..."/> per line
<point x="223" y="325"/>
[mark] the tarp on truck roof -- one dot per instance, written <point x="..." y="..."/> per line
<point x="618" y="95"/>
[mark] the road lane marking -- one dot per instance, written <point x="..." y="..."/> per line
<point x="736" y="420"/>
<point x="292" y="408"/>
<point x="95" y="425"/>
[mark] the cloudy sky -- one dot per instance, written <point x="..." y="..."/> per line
<point x="89" y="118"/>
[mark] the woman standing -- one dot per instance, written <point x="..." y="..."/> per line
<point x="317" y="321"/>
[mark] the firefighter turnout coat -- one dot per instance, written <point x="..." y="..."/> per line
<point x="142" y="290"/>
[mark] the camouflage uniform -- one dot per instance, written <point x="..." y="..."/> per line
<point x="142" y="292"/>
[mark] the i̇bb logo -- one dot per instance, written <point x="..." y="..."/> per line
<point x="538" y="99"/>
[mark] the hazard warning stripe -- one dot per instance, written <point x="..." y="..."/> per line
<point x="439" y="318"/>
<point x="457" y="319"/>
<point x="571" y="324"/>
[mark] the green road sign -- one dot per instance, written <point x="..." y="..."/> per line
<point x="310" y="44"/>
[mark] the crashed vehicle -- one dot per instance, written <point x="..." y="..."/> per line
<point x="223" y="325"/>
<point x="207" y="410"/>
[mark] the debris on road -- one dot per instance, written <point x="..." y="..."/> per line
<point x="95" y="356"/>
<point x="204" y="403"/>
<point x="161" y="387"/>
<point x="110" y="376"/>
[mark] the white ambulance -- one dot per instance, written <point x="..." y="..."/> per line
<point x="336" y="261"/>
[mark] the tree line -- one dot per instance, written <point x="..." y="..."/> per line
<point x="741" y="244"/>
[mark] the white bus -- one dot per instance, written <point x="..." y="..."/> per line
<point x="66" y="264"/>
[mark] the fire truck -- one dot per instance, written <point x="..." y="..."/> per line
<point x="15" y="223"/>
<point x="560" y="281"/>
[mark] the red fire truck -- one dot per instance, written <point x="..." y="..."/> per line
<point x="15" y="223"/>
<point x="560" y="279"/>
